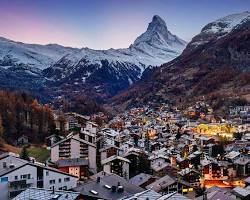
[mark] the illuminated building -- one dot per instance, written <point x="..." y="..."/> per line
<point x="224" y="130"/>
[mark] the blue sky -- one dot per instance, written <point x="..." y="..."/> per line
<point x="103" y="24"/>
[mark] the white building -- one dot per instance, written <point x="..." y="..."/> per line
<point x="89" y="133"/>
<point x="74" y="147"/>
<point x="110" y="136"/>
<point x="20" y="174"/>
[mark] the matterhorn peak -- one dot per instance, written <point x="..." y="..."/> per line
<point x="157" y="24"/>
<point x="157" y="34"/>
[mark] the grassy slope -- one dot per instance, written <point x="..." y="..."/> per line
<point x="41" y="154"/>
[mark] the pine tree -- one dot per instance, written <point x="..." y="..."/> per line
<point x="24" y="154"/>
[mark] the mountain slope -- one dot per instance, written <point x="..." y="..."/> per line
<point x="106" y="72"/>
<point x="100" y="74"/>
<point x="33" y="56"/>
<point x="215" y="64"/>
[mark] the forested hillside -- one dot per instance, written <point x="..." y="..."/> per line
<point x="20" y="115"/>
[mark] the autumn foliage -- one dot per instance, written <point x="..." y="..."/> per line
<point x="22" y="115"/>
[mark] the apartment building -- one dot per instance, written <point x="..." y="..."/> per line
<point x="74" y="147"/>
<point x="17" y="175"/>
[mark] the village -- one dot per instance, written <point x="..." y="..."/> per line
<point x="143" y="153"/>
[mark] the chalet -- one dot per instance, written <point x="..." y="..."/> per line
<point x="108" y="151"/>
<point x="117" y="165"/>
<point x="191" y="176"/>
<point x="167" y="184"/>
<point x="161" y="169"/>
<point x="242" y="166"/>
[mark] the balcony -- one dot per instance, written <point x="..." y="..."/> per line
<point x="64" y="151"/>
<point x="17" y="183"/>
<point x="65" y="147"/>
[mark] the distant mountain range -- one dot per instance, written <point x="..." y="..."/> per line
<point x="215" y="65"/>
<point x="61" y="71"/>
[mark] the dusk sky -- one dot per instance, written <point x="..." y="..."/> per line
<point x="103" y="24"/>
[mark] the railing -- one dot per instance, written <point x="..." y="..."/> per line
<point x="17" y="183"/>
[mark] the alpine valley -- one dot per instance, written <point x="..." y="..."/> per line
<point x="157" y="67"/>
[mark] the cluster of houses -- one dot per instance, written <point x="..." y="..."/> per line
<point x="143" y="153"/>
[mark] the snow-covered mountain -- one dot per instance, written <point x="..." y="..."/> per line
<point x="214" y="65"/>
<point x="153" y="48"/>
<point x="33" y="56"/>
<point x="158" y="42"/>
<point x="110" y="71"/>
<point x="219" y="28"/>
<point x="107" y="71"/>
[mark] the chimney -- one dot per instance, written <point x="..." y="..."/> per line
<point x="120" y="188"/>
<point x="4" y="164"/>
<point x="113" y="188"/>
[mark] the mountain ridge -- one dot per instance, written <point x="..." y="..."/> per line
<point x="105" y="71"/>
<point x="214" y="65"/>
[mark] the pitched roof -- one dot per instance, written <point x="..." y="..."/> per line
<point x="217" y="194"/>
<point x="242" y="160"/>
<point x="241" y="192"/>
<point x="44" y="194"/>
<point x="247" y="179"/>
<point x="72" y="136"/>
<point x="173" y="196"/>
<point x="72" y="162"/>
<point x="232" y="154"/>
<point x="14" y="163"/>
<point x="111" y="158"/>
<point x="147" y="194"/>
<point x="161" y="183"/>
<point x="102" y="189"/>
<point x="140" y="179"/>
